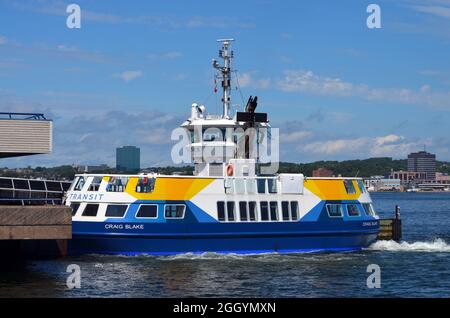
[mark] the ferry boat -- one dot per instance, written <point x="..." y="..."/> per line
<point x="226" y="206"/>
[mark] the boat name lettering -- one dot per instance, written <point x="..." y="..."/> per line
<point x="124" y="226"/>
<point x="86" y="196"/>
<point x="369" y="224"/>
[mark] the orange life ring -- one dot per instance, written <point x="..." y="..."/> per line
<point x="230" y="170"/>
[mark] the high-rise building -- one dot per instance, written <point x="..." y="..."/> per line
<point x="128" y="159"/>
<point x="423" y="161"/>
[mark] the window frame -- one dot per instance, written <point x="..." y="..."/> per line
<point x="224" y="219"/>
<point x="348" y="212"/>
<point x="297" y="211"/>
<point x="233" y="204"/>
<point x="85" y="207"/>
<point x="255" y="211"/>
<point x="147" y="217"/>
<point x="352" y="186"/>
<point x="266" y="203"/>
<point x="117" y="217"/>
<point x="245" y="205"/>
<point x="175" y="218"/>
<point x="340" y="209"/>
<point x="271" y="213"/>
<point x="74" y="212"/>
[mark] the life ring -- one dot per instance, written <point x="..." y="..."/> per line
<point x="230" y="170"/>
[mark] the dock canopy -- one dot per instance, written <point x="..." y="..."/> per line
<point x="23" y="134"/>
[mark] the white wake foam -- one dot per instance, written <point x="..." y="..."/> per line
<point x="438" y="245"/>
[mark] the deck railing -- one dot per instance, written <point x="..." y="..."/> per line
<point x="18" y="191"/>
<point x="23" y="116"/>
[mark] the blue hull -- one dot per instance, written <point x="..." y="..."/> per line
<point x="81" y="244"/>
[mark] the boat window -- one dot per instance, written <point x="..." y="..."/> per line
<point x="285" y="210"/>
<point x="272" y="185"/>
<point x="334" y="210"/>
<point x="37" y="185"/>
<point x="239" y="185"/>
<point x="273" y="211"/>
<point x="251" y="186"/>
<point x="116" y="210"/>
<point x="221" y="211"/>
<point x="145" y="185"/>
<point x="80" y="184"/>
<point x="261" y="183"/>
<point x="117" y="184"/>
<point x="229" y="185"/>
<point x="264" y="210"/>
<point x="352" y="210"/>
<point x="95" y="184"/>
<point x="361" y="186"/>
<point x="349" y="187"/>
<point x="174" y="211"/>
<point x="21" y="184"/>
<point x="252" y="210"/>
<point x="74" y="207"/>
<point x="148" y="211"/>
<point x="294" y="211"/>
<point x="368" y="208"/>
<point x="90" y="210"/>
<point x="230" y="211"/>
<point x="243" y="211"/>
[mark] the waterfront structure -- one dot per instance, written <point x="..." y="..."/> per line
<point x="128" y="159"/>
<point x="408" y="177"/>
<point x="424" y="162"/>
<point x="23" y="134"/>
<point x="228" y="206"/>
<point x="322" y="173"/>
<point x="380" y="183"/>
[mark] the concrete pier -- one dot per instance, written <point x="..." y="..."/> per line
<point x="35" y="231"/>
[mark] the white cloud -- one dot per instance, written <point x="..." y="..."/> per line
<point x="439" y="11"/>
<point x="308" y="82"/>
<point x="172" y="55"/>
<point x="247" y="80"/>
<point x="128" y="76"/>
<point x="383" y="146"/>
<point x="3" y="40"/>
<point x="295" y="136"/>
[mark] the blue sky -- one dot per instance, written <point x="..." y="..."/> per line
<point x="336" y="89"/>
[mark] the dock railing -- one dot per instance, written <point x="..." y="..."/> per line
<point x="18" y="191"/>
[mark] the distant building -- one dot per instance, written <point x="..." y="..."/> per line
<point x="322" y="172"/>
<point x="380" y="183"/>
<point x="99" y="168"/>
<point x="423" y="161"/>
<point x="442" y="178"/>
<point x="128" y="159"/>
<point x="407" y="177"/>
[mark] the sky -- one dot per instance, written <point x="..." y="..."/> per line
<point x="336" y="89"/>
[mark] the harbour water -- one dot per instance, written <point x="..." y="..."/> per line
<point x="417" y="267"/>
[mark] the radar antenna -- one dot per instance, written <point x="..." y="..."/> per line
<point x="225" y="71"/>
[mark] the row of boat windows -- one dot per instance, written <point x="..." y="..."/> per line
<point x="232" y="186"/>
<point x="116" y="184"/>
<point x="248" y="211"/>
<point x="337" y="211"/>
<point x="145" y="211"/>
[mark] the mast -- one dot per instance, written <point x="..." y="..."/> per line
<point x="226" y="54"/>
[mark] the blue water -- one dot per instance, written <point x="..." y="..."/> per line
<point x="418" y="267"/>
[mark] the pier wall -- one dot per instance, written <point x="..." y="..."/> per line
<point x="35" y="231"/>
